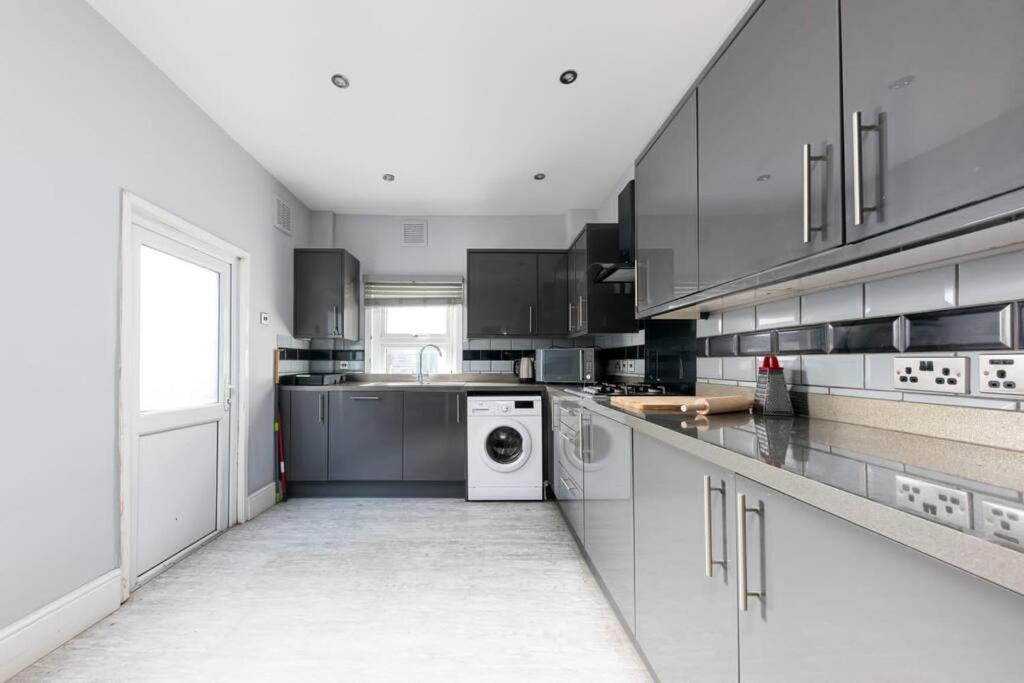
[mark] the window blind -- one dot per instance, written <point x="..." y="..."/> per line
<point x="412" y="292"/>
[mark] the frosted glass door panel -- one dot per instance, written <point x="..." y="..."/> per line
<point x="179" y="325"/>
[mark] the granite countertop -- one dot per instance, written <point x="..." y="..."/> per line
<point x="412" y="385"/>
<point x="858" y="473"/>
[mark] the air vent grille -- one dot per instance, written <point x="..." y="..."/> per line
<point x="283" y="216"/>
<point x="414" y="233"/>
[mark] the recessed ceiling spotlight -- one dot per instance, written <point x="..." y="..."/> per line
<point x="568" y="76"/>
<point x="339" y="81"/>
<point x="539" y="176"/>
<point x="763" y="177"/>
<point x="389" y="177"/>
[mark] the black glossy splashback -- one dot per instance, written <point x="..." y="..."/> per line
<point x="803" y="340"/>
<point x="722" y="345"/>
<point x="964" y="329"/>
<point x="879" y="335"/>
<point x="670" y="354"/>
<point x="757" y="343"/>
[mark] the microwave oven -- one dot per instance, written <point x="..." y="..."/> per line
<point x="569" y="366"/>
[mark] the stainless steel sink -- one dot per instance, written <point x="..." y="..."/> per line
<point x="413" y="384"/>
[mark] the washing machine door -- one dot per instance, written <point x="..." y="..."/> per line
<point x="507" y="446"/>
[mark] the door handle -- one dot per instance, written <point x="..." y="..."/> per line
<point x="334" y="309"/>
<point x="743" y="593"/>
<point x="320" y="408"/>
<point x="579" y="313"/>
<point x="531" y="318"/>
<point x="570" y="316"/>
<point x="859" y="209"/>
<point x="806" y="168"/>
<point x="365" y="398"/>
<point x="458" y="409"/>
<point x="709" y="560"/>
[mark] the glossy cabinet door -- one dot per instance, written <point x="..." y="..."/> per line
<point x="568" y="464"/>
<point x="304" y="420"/>
<point x="351" y="298"/>
<point x="685" y="620"/>
<point x="937" y="87"/>
<point x="319" y="293"/>
<point x="434" y="436"/>
<point x="608" y="507"/>
<point x="578" y="276"/>
<point x="502" y="294"/>
<point x="844" y="604"/>
<point x="773" y="91"/>
<point x="666" y="213"/>
<point x="552" y="294"/>
<point x="365" y="442"/>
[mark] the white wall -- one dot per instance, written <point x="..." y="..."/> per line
<point x="83" y="115"/>
<point x="377" y="240"/>
<point x="608" y="212"/>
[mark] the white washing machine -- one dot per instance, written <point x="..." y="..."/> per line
<point x="505" y="448"/>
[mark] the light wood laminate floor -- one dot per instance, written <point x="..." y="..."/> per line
<point x="366" y="590"/>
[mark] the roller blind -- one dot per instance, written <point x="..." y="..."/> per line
<point x="412" y="292"/>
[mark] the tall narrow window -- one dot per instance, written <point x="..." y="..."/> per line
<point x="404" y="315"/>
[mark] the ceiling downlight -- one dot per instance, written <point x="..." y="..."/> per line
<point x="568" y="77"/>
<point x="340" y="81"/>
<point x="388" y="177"/>
<point x="540" y="176"/>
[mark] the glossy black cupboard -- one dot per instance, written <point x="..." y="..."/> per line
<point x="326" y="294"/>
<point x="516" y="293"/>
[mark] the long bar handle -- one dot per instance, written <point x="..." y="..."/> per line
<point x="807" y="158"/>
<point x="709" y="560"/>
<point x="320" y="408"/>
<point x="365" y="398"/>
<point x="742" y="592"/>
<point x="458" y="409"/>
<point x="531" y="318"/>
<point x="858" y="170"/>
<point x="570" y="317"/>
<point x="579" y="314"/>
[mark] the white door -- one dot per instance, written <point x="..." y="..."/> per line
<point x="180" y="326"/>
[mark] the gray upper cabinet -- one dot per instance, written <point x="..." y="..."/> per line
<point x="516" y="293"/>
<point x="365" y="436"/>
<point x="608" y="507"/>
<point x="597" y="307"/>
<point x="666" y="213"/>
<point x="764" y="200"/>
<point x="434" y="433"/>
<point x="304" y="420"/>
<point x="685" y="620"/>
<point x="326" y="294"/>
<point x="844" y="604"/>
<point x="937" y="87"/>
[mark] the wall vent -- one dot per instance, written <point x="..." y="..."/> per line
<point x="414" y="233"/>
<point x="283" y="216"/>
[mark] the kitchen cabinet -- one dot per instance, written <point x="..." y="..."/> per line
<point x="516" y="293"/>
<point x="608" y="508"/>
<point x="666" y="213"/>
<point x="841" y="603"/>
<point x="685" y="619"/>
<point x="597" y="307"/>
<point x="326" y="294"/>
<point x="936" y="86"/>
<point x="365" y="436"/>
<point x="434" y="436"/>
<point x="304" y="421"/>
<point x="765" y="196"/>
<point x="567" y="472"/>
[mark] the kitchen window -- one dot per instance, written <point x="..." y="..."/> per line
<point x="403" y="315"/>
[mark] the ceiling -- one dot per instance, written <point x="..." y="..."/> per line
<point x="459" y="99"/>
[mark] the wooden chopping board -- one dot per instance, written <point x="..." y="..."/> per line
<point x="643" y="404"/>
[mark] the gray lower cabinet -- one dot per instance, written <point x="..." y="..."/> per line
<point x="685" y="620"/>
<point x="304" y="420"/>
<point x="365" y="436"/>
<point x="844" y="604"/>
<point x="775" y="90"/>
<point x="434" y="436"/>
<point x="937" y="87"/>
<point x="666" y="213"/>
<point x="608" y="508"/>
<point x="567" y="463"/>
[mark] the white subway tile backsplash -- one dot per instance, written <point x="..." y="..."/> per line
<point x="941" y="399"/>
<point x="842" y="303"/>
<point x="501" y="366"/>
<point x="778" y="314"/>
<point x="924" y="291"/>
<point x="477" y="366"/>
<point x="739" y="320"/>
<point x="709" y="368"/>
<point x="878" y="373"/>
<point x="792" y="369"/>
<point x="563" y="343"/>
<point x="711" y="326"/>
<point x="480" y="344"/>
<point x="503" y="344"/>
<point x="739" y="368"/>
<point x="522" y="344"/>
<point x="991" y="280"/>
<point x="834" y="371"/>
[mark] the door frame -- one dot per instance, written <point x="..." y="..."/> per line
<point x="138" y="211"/>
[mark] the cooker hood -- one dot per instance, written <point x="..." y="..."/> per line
<point x="622" y="270"/>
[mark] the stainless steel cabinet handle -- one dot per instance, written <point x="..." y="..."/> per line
<point x="320" y="408"/>
<point x="709" y="560"/>
<point x="579" y="314"/>
<point x="570" y="317"/>
<point x="531" y="318"/>
<point x="742" y="592"/>
<point x="365" y="398"/>
<point x="858" y="170"/>
<point x="556" y="416"/>
<point x="336" y="325"/>
<point x="806" y="168"/>
<point x="458" y="409"/>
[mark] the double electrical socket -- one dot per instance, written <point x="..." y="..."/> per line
<point x="945" y="374"/>
<point x="937" y="502"/>
<point x="1003" y="523"/>
<point x="1001" y="373"/>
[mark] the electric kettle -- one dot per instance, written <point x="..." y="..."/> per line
<point x="523" y="369"/>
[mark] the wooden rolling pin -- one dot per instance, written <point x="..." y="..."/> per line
<point x="709" y="405"/>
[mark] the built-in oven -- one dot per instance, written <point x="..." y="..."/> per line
<point x="570" y="366"/>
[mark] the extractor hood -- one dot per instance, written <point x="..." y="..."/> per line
<point x="622" y="271"/>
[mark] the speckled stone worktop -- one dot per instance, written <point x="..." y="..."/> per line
<point x="851" y="471"/>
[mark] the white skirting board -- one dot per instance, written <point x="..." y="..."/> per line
<point x="49" y="627"/>
<point x="261" y="501"/>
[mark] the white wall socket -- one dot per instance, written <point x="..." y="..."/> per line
<point x="1001" y="373"/>
<point x="940" y="503"/>
<point x="1003" y="523"/>
<point x="944" y="374"/>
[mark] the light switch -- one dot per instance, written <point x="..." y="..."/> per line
<point x="264" y="318"/>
